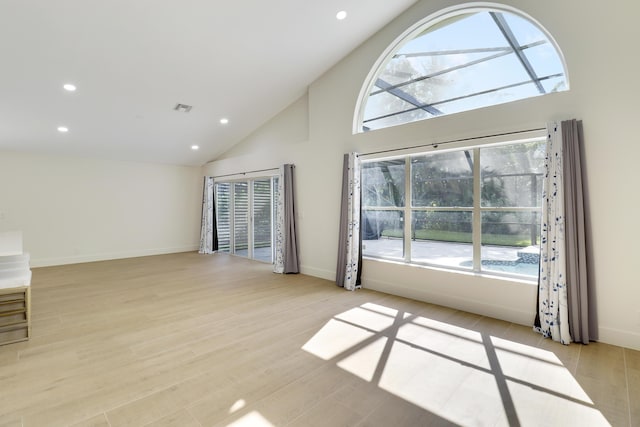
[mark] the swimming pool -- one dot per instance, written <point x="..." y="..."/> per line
<point x="523" y="268"/>
<point x="511" y="267"/>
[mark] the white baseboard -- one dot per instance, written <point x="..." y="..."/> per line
<point x="619" y="337"/>
<point x="318" y="272"/>
<point x="622" y="338"/>
<point x="77" y="259"/>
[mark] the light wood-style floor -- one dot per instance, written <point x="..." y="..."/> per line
<point x="192" y="340"/>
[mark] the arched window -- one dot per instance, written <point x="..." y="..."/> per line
<point x="457" y="60"/>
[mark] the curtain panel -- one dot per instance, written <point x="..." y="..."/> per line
<point x="566" y="298"/>
<point x="552" y="319"/>
<point x="349" y="267"/>
<point x="580" y="277"/>
<point x="286" y="239"/>
<point x="208" y="231"/>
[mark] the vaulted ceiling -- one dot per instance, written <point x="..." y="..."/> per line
<point x="132" y="61"/>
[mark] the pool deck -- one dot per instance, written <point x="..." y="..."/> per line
<point x="449" y="254"/>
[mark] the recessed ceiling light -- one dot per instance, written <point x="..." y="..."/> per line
<point x="69" y="87"/>
<point x="341" y="15"/>
<point x="194" y="147"/>
<point x="224" y="121"/>
<point x="63" y="129"/>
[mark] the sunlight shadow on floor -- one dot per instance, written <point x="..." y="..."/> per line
<point x="466" y="376"/>
<point x="252" y="419"/>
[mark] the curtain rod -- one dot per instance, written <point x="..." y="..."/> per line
<point x="247" y="172"/>
<point x="436" y="144"/>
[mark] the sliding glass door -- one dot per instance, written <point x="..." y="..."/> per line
<point x="224" y="213"/>
<point x="245" y="212"/>
<point x="241" y="218"/>
<point x="262" y="220"/>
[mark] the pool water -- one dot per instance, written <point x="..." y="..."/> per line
<point x="512" y="267"/>
<point x="517" y="268"/>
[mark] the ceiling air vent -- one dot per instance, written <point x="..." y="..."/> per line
<point x="183" y="108"/>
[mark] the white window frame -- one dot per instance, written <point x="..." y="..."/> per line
<point x="431" y="21"/>
<point x="476" y="210"/>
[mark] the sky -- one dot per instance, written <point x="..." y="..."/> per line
<point x="465" y="32"/>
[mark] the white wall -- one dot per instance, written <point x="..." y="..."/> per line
<point x="598" y="43"/>
<point x="76" y="210"/>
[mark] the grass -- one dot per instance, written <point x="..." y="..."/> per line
<point x="517" y="240"/>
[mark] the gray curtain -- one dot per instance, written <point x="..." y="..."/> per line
<point x="349" y="266"/>
<point x="286" y="257"/>
<point x="580" y="277"/>
<point x="291" y="262"/>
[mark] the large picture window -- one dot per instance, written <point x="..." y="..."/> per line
<point x="475" y="209"/>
